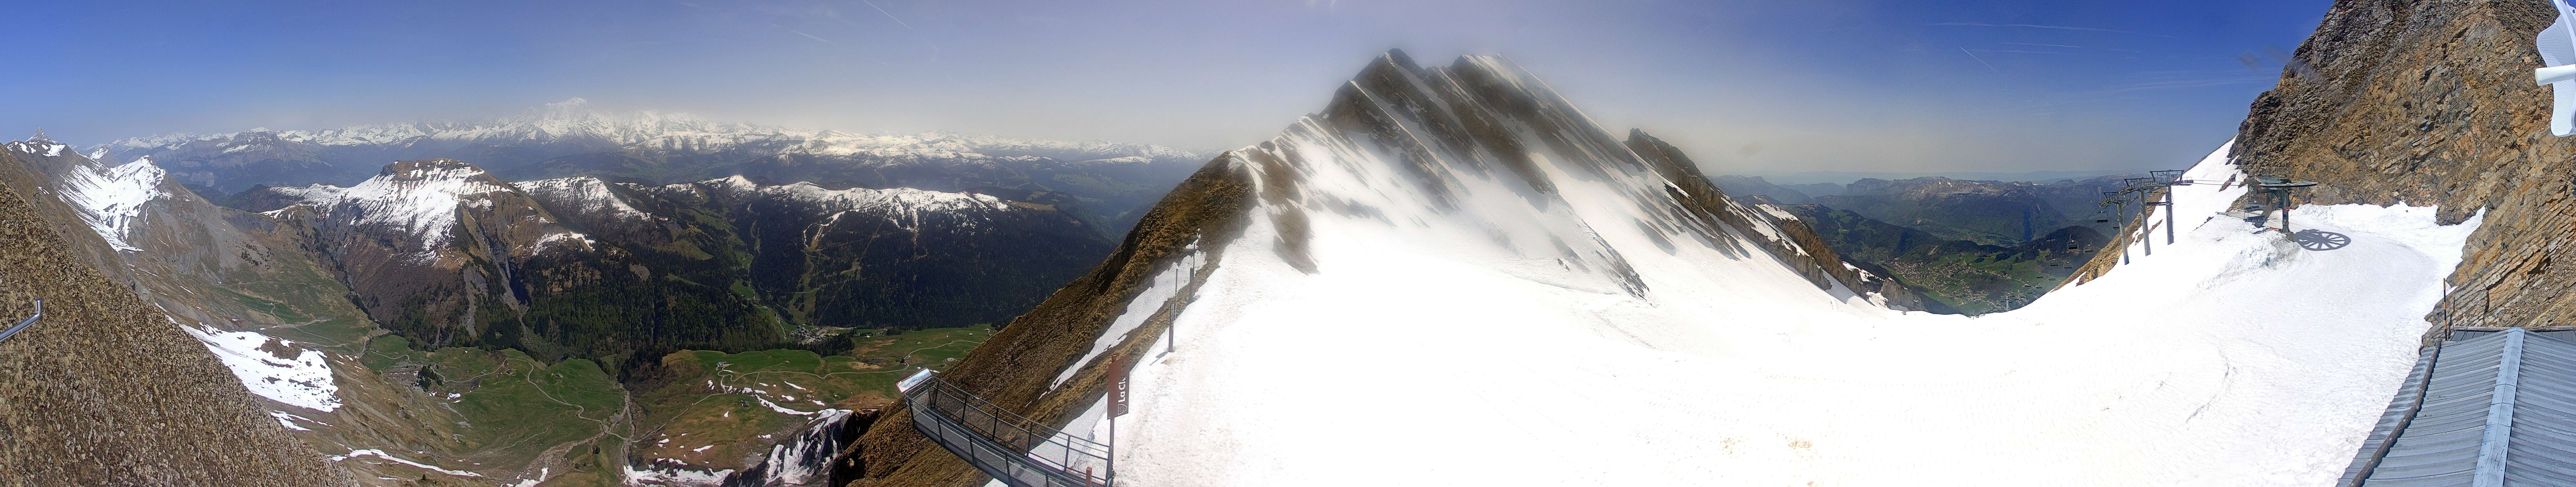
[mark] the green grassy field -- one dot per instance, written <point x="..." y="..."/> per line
<point x="716" y="407"/>
<point x="515" y="404"/>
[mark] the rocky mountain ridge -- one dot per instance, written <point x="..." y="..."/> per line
<point x="2432" y="103"/>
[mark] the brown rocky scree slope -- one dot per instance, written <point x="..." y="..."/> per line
<point x="106" y="391"/>
<point x="2432" y="102"/>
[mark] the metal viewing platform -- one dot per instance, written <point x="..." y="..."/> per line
<point x="2481" y="409"/>
<point x="1015" y="450"/>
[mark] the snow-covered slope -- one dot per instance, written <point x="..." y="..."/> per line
<point x="905" y="207"/>
<point x="419" y="199"/>
<point x="109" y="199"/>
<point x="1476" y="288"/>
<point x="301" y="379"/>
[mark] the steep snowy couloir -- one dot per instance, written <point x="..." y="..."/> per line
<point x="1452" y="276"/>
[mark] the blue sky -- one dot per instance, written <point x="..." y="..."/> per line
<point x="1746" y="87"/>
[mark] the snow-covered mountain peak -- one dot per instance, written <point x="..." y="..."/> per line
<point x="583" y="195"/>
<point x="39" y="145"/>
<point x="436" y="169"/>
<point x="905" y="199"/>
<point x="418" y="198"/>
<point x="1510" y="175"/>
<point x="109" y="199"/>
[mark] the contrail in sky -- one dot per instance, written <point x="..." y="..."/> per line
<point x="889" y="15"/>
<point x="2058" y="27"/>
<point x="802" y="33"/>
<point x="1980" y="60"/>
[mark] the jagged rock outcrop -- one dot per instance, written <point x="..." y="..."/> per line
<point x="106" y="390"/>
<point x="2432" y="102"/>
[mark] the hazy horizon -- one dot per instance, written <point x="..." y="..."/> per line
<point x="1746" y="88"/>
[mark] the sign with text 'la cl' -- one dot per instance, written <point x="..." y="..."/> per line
<point x="1118" y="366"/>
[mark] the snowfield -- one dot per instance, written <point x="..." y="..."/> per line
<point x="304" y="381"/>
<point x="2228" y="357"/>
<point x="1471" y="331"/>
<point x="421" y="200"/>
<point x="109" y="199"/>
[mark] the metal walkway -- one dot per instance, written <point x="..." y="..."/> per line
<point x="1017" y="451"/>
<point x="2484" y="409"/>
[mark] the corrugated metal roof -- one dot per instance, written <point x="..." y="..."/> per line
<point x="2484" y="409"/>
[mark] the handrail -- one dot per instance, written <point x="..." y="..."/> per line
<point x="22" y="324"/>
<point x="1013" y="449"/>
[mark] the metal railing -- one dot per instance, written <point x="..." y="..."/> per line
<point x="22" y="324"/>
<point x="1015" y="450"/>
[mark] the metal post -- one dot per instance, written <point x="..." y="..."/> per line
<point x="2285" y="211"/>
<point x="1172" y="331"/>
<point x="1111" y="477"/>
<point x="22" y="324"/>
<point x="2169" y="217"/>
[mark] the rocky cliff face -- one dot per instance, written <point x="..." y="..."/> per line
<point x="106" y="389"/>
<point x="2432" y="102"/>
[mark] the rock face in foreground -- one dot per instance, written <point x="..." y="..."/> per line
<point x="2432" y="102"/>
<point x="106" y="391"/>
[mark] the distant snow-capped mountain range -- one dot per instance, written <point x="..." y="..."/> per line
<point x="574" y="121"/>
<point x="1103" y="180"/>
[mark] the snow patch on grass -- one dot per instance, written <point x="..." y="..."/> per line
<point x="303" y="381"/>
<point x="371" y="452"/>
